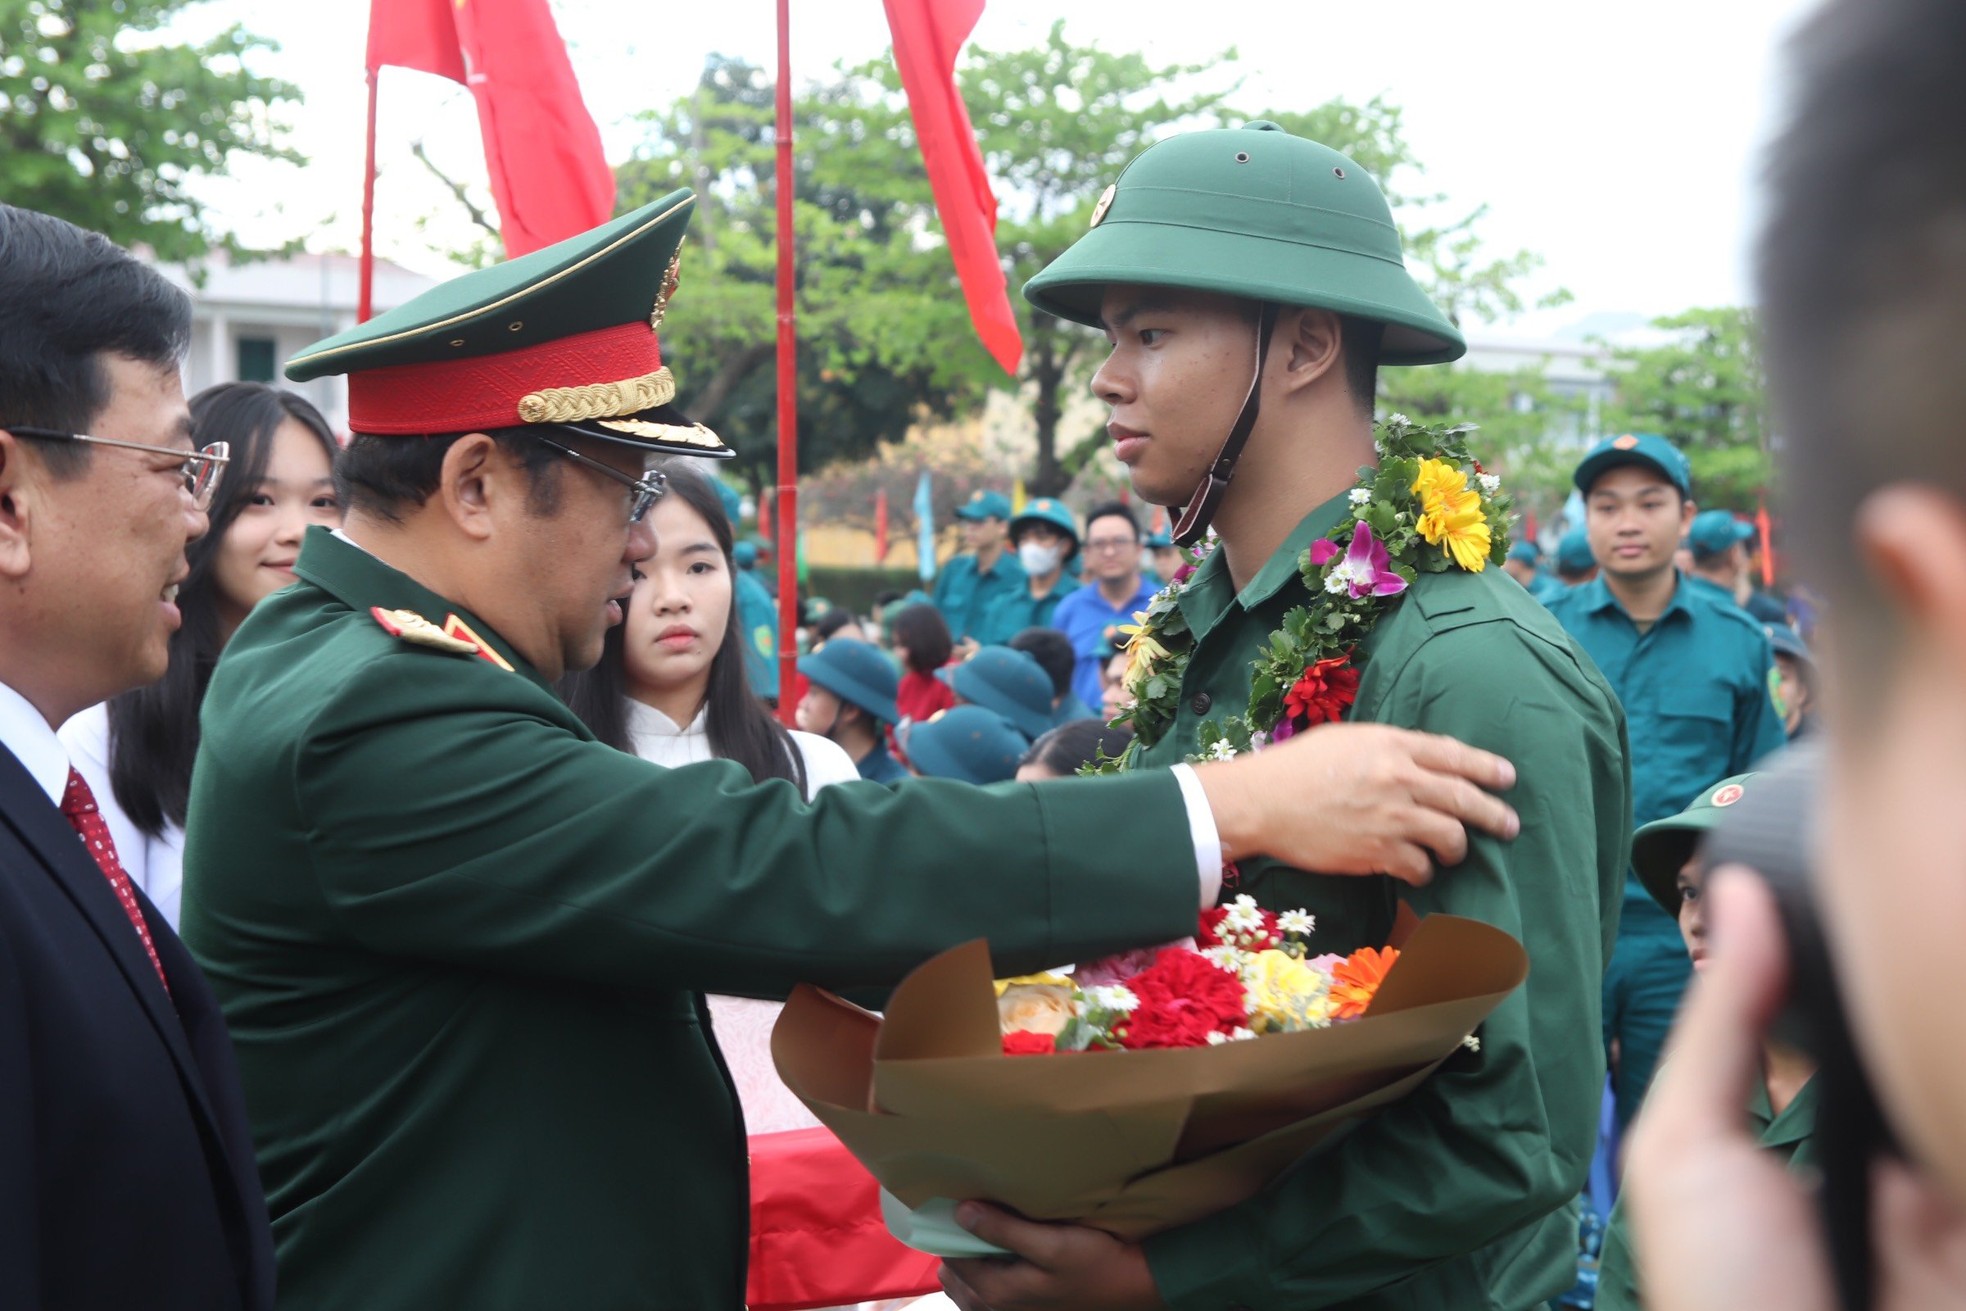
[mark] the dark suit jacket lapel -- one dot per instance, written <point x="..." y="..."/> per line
<point x="25" y="808"/>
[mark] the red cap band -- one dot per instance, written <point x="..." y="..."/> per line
<point x="484" y="391"/>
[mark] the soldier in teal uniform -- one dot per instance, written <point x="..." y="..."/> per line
<point x="859" y="682"/>
<point x="1782" y="1106"/>
<point x="461" y="946"/>
<point x="757" y="618"/>
<point x="1692" y="672"/>
<point x="1718" y="542"/>
<point x="1462" y="1195"/>
<point x="970" y="585"/>
<point x="1046" y="539"/>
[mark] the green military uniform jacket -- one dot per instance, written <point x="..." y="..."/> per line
<point x="461" y="947"/>
<point x="1463" y="1195"/>
<point x="965" y="594"/>
<point x="1788" y="1136"/>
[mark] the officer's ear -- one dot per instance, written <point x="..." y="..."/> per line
<point x="16" y="518"/>
<point x="1309" y="342"/>
<point x="466" y="489"/>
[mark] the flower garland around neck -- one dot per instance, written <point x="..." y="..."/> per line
<point x="1428" y="507"/>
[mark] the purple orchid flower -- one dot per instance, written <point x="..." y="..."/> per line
<point x="1367" y="568"/>
<point x="1322" y="550"/>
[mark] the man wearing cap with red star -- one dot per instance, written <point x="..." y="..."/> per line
<point x="462" y="946"/>
<point x="1212" y="250"/>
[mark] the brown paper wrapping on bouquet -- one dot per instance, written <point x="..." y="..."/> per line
<point x="1132" y="1142"/>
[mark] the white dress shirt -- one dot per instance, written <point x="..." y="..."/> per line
<point x="154" y="864"/>
<point x="29" y="736"/>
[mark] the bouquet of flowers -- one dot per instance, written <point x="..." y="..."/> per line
<point x="1164" y="1109"/>
<point x="1246" y="972"/>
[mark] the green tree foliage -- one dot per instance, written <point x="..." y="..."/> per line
<point x="106" y="124"/>
<point x="1702" y="388"/>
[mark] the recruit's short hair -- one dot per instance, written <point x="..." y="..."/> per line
<point x="390" y="476"/>
<point x="921" y="629"/>
<point x="1052" y="650"/>
<point x="1863" y="277"/>
<point x="73" y="296"/>
<point x="1359" y="341"/>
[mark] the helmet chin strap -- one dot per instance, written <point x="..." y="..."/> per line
<point x="1207" y="499"/>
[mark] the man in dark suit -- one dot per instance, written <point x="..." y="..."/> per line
<point x="126" y="1171"/>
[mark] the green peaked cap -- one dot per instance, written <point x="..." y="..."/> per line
<point x="1257" y="213"/>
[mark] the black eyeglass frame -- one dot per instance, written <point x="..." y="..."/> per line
<point x="651" y="487"/>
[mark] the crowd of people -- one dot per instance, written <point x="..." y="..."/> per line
<point x="401" y="858"/>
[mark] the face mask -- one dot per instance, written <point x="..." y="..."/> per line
<point x="1038" y="558"/>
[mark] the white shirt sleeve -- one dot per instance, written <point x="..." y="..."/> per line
<point x="1207" y="838"/>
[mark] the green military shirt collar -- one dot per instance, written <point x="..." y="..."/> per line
<point x="1796" y="1122"/>
<point x="1206" y="597"/>
<point x="1596" y="596"/>
<point x="361" y="581"/>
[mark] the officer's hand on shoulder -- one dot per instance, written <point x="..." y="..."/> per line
<point x="1360" y="799"/>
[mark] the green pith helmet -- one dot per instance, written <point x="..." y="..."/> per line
<point x="1257" y="213"/>
<point x="1660" y="848"/>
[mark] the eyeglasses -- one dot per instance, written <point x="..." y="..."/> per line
<point x="1104" y="544"/>
<point x="200" y="470"/>
<point x="647" y="489"/>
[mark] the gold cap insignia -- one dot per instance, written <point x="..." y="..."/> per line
<point x="415" y="629"/>
<point x="1105" y="203"/>
<point x="672" y="277"/>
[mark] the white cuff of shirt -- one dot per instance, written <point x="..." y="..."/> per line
<point x="1201" y="827"/>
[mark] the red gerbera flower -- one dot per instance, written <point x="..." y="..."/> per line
<point x="1323" y="693"/>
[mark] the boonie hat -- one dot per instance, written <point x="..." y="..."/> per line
<point x="967" y="743"/>
<point x="857" y="673"/>
<point x="1007" y="681"/>
<point x="1645" y="448"/>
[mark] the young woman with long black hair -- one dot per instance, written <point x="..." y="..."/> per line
<point x="671" y="687"/>
<point x="136" y="750"/>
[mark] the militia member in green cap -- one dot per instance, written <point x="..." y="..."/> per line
<point x="1046" y="539"/>
<point x="1718" y="542"/>
<point x="1666" y="857"/>
<point x="461" y="945"/>
<point x="1250" y="283"/>
<point x="971" y="584"/>
<point x="1692" y="672"/>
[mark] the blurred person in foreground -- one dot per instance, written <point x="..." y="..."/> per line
<point x="1863" y="288"/>
<point x="126" y="1170"/>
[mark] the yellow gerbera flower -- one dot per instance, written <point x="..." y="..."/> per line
<point x="1451" y="516"/>
<point x="1143" y="652"/>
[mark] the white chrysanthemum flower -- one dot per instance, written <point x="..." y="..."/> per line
<point x="1361" y="496"/>
<point x="1222" y="750"/>
<point x="1258" y="740"/>
<point x="1472" y="1043"/>
<point x="1241" y="1035"/>
<point x="1297" y="921"/>
<point x="1116" y="997"/>
<point x="1224" y="958"/>
<point x="1398" y="420"/>
<point x="1243" y="913"/>
<point x="1216" y="1038"/>
<point x="1336" y="580"/>
<point x="1490" y="482"/>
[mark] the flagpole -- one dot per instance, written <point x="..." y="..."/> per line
<point x="365" y="293"/>
<point x="788" y="397"/>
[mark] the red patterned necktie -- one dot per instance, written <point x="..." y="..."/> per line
<point x="79" y="804"/>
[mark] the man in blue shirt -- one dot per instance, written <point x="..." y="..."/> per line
<point x="970" y="586"/>
<point x="1691" y="669"/>
<point x="1117" y="593"/>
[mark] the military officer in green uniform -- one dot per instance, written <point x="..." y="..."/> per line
<point x="1214" y="249"/>
<point x="1046" y="539"/>
<point x="1782" y="1105"/>
<point x="1691" y="669"/>
<point x="971" y="584"/>
<point x="461" y="946"/>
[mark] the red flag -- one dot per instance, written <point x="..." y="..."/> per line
<point x="927" y="34"/>
<point x="1767" y="532"/>
<point x="880" y="524"/>
<point x="548" y="175"/>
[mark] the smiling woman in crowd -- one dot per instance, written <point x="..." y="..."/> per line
<point x="136" y="751"/>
